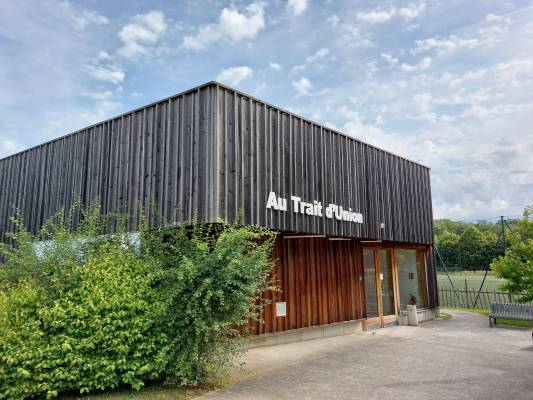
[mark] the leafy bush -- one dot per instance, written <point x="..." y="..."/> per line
<point x="517" y="264"/>
<point x="212" y="279"/>
<point x="100" y="334"/>
<point x="81" y="309"/>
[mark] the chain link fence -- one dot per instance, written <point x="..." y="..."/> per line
<point x="467" y="298"/>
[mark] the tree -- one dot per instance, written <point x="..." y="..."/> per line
<point x="516" y="266"/>
<point x="447" y="243"/>
<point x="442" y="225"/>
<point x="472" y="247"/>
<point x="493" y="248"/>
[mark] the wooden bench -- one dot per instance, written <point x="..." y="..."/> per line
<point x="522" y="312"/>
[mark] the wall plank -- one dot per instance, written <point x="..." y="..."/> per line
<point x="318" y="279"/>
<point x="300" y="158"/>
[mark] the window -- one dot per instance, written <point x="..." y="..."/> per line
<point x="411" y="277"/>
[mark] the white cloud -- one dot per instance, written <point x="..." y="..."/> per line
<point x="422" y="65"/>
<point x="231" y="25"/>
<point x="234" y="75"/>
<point x="381" y="16"/>
<point x="412" y="11"/>
<point x="390" y="59"/>
<point x="463" y="96"/>
<point x="447" y="45"/>
<point x="9" y="146"/>
<point x="498" y="204"/>
<point x="297" y="6"/>
<point x="101" y="111"/>
<point x="80" y="18"/>
<point x="107" y="73"/>
<point x="274" y="66"/>
<point x="302" y="86"/>
<point x="358" y="39"/>
<point x="297" y="69"/>
<point x="103" y="95"/>
<point x="358" y="128"/>
<point x="321" y="53"/>
<point x="144" y="31"/>
<point x="375" y="17"/>
<point x="333" y="20"/>
<point x="494" y="28"/>
<point x="423" y="100"/>
<point x="103" y="55"/>
<point x="498" y="110"/>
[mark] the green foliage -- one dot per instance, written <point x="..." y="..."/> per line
<point x="467" y="246"/>
<point x="517" y="264"/>
<point x="51" y="257"/>
<point x="472" y="248"/>
<point x="458" y="227"/>
<point x="82" y="309"/>
<point x="99" y="331"/>
<point x="447" y="243"/>
<point x="212" y="279"/>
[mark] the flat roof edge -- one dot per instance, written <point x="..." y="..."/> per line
<point x="222" y="85"/>
<point x="202" y="86"/>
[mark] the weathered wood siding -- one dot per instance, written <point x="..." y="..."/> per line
<point x="318" y="279"/>
<point x="267" y="149"/>
<point x="161" y="154"/>
<point x="211" y="152"/>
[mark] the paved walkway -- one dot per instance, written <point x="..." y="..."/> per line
<point x="457" y="359"/>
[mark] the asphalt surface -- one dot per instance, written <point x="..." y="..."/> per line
<point x="461" y="358"/>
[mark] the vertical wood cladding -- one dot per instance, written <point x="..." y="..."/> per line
<point x="161" y="154"/>
<point x="267" y="149"/>
<point x="318" y="279"/>
<point x="211" y="152"/>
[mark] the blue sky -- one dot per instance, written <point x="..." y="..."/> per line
<point x="446" y="83"/>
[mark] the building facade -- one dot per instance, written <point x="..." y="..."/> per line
<point x="355" y="221"/>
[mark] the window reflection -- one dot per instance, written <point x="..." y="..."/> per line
<point x="412" y="277"/>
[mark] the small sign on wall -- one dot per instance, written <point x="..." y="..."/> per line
<point x="281" y="309"/>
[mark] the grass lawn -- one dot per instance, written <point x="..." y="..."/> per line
<point x="150" y="392"/>
<point x="473" y="281"/>
<point x="445" y="316"/>
<point x="500" y="321"/>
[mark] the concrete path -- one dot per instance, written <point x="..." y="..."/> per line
<point x="457" y="359"/>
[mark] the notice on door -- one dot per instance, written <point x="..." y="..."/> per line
<point x="281" y="309"/>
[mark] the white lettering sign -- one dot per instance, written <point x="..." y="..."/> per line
<point x="332" y="211"/>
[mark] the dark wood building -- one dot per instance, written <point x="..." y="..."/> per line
<point x="355" y="220"/>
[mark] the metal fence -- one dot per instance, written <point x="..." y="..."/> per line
<point x="467" y="298"/>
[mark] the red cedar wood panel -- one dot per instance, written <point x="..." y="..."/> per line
<point x="318" y="279"/>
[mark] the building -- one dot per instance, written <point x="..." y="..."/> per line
<point x="355" y="221"/>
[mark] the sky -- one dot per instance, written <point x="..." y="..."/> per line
<point x="445" y="83"/>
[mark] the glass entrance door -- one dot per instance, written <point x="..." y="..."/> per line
<point x="371" y="285"/>
<point x="386" y="280"/>
<point x="379" y="283"/>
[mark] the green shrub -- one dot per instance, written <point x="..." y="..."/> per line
<point x="82" y="309"/>
<point x="212" y="279"/>
<point x="516" y="266"/>
<point x="99" y="334"/>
